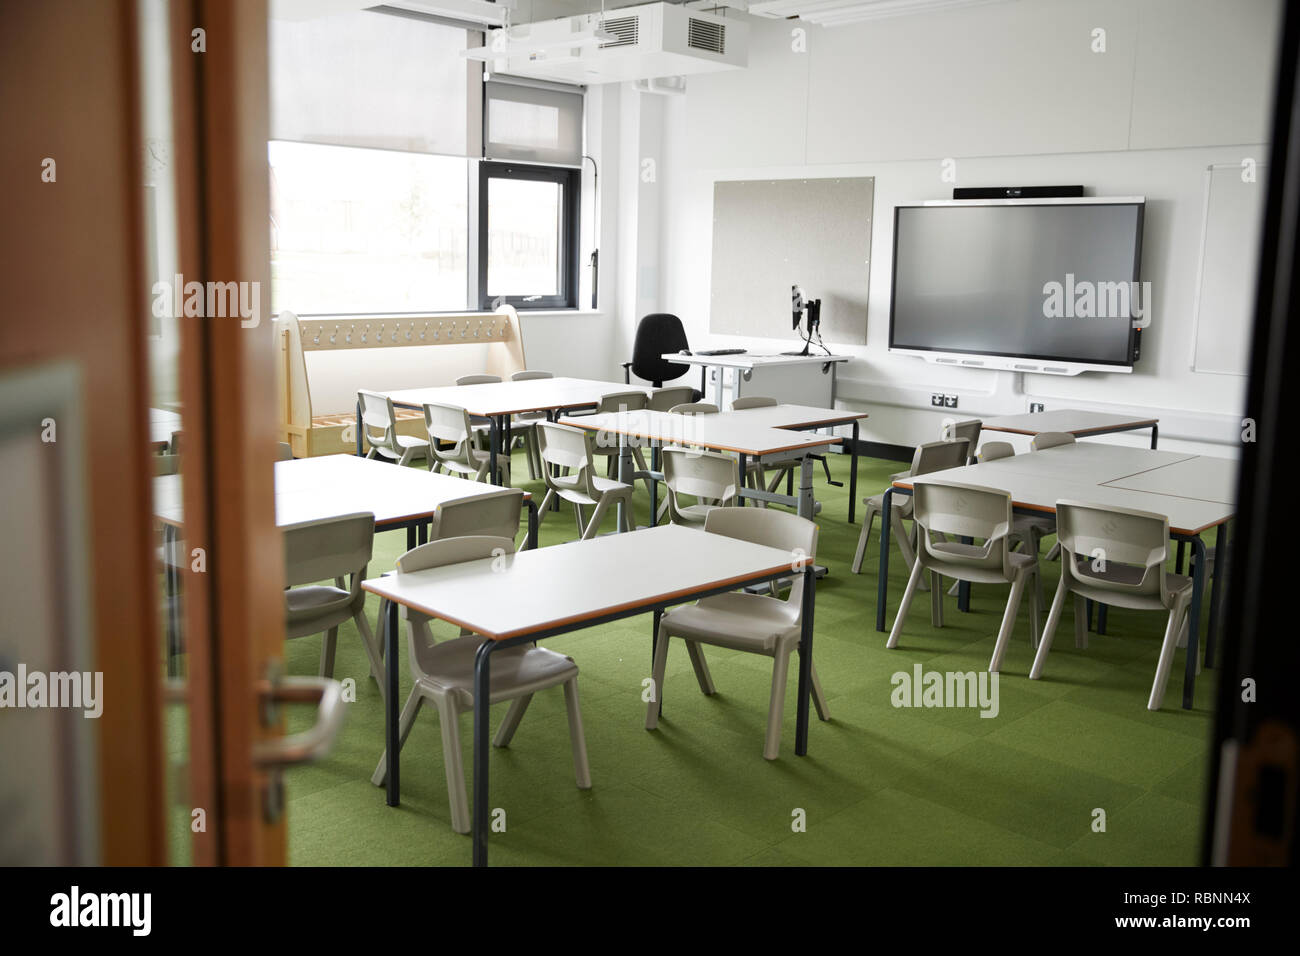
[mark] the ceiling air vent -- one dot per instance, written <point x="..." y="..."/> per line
<point x="706" y="35"/>
<point x="624" y="30"/>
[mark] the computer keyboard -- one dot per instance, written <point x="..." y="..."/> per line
<point x="722" y="352"/>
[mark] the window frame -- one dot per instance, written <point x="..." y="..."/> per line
<point x="569" y="179"/>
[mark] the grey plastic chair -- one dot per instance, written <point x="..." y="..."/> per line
<point x="1117" y="556"/>
<point x="283" y="451"/>
<point x="481" y="426"/>
<point x="451" y="425"/>
<point x="570" y="449"/>
<point x="993" y="450"/>
<point x="443" y="674"/>
<point x="694" y="408"/>
<point x="665" y="399"/>
<point x="754" y="623"/>
<point x="379" y="424"/>
<point x="1027" y="531"/>
<point x="522" y="424"/>
<point x="1050" y="440"/>
<point x="607" y="451"/>
<point x="712" y="478"/>
<point x="927" y="459"/>
<point x="956" y="510"/>
<point x="757" y="474"/>
<point x="336" y="548"/>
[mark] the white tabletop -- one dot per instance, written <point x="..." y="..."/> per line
<point x="1199" y="477"/>
<point x="610" y="574"/>
<point x="512" y="398"/>
<point x="794" y="416"/>
<point x="1033" y="490"/>
<point x="719" y="432"/>
<point x="1088" y="462"/>
<point x="1076" y="421"/>
<point x="310" y="489"/>
<point x="750" y="359"/>
<point x="161" y="425"/>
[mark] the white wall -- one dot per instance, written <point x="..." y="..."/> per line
<point x="1015" y="95"/>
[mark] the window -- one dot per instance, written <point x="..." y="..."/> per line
<point x="367" y="230"/>
<point x="528" y="236"/>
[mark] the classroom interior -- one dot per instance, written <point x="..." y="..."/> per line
<point x="436" y="475"/>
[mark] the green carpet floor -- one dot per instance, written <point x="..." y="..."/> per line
<point x="880" y="785"/>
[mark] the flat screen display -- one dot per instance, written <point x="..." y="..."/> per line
<point x="1056" y="280"/>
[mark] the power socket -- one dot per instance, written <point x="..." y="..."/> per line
<point x="1035" y="406"/>
<point x="937" y="400"/>
<point x="950" y="401"/>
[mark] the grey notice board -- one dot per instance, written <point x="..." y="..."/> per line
<point x="771" y="234"/>
<point x="1225" y="287"/>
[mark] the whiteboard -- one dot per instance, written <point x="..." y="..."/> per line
<point x="1226" y="276"/>
<point x="771" y="234"/>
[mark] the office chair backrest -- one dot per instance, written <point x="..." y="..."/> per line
<point x="752" y="401"/>
<point x="656" y="334"/>
<point x="993" y="450"/>
<point x="495" y="514"/>
<point x="1050" y="440"/>
<point x="663" y="399"/>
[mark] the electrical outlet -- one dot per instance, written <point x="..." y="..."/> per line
<point x="937" y="400"/>
<point x="950" y="401"/>
<point x="1035" y="406"/>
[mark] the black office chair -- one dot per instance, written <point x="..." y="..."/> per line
<point x="657" y="333"/>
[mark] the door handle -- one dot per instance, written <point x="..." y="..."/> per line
<point x="313" y="743"/>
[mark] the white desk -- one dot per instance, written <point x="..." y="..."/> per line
<point x="808" y="379"/>
<point x="1037" y="480"/>
<point x="1077" y="421"/>
<point x="645" y="570"/>
<point x="717" y="433"/>
<point x="498" y="401"/>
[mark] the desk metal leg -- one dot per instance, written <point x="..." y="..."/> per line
<point x="1194" y="622"/>
<point x="807" y="501"/>
<point x="1101" y="617"/>
<point x="1178" y="562"/>
<point x="1216" y="589"/>
<point x="412" y="538"/>
<point x="531" y="541"/>
<point x="654" y="648"/>
<point x="494" y="440"/>
<point x="482" y="679"/>
<point x="422" y="532"/>
<point x="805" y="659"/>
<point x="882" y="573"/>
<point x="963" y="587"/>
<point x="743" y="460"/>
<point x="656" y="467"/>
<point x="1155" y="435"/>
<point x="392" y="745"/>
<point x="626" y="518"/>
<point x="853" y="474"/>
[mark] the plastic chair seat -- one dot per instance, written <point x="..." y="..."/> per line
<point x="1128" y="575"/>
<point x="744" y="622"/>
<point x="315" y="608"/>
<point x="449" y="669"/>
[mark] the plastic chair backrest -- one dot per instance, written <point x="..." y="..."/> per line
<point x="446" y="423"/>
<point x="566" y="447"/>
<point x="328" y="548"/>
<point x="495" y="514"/>
<point x="958" y="510"/>
<point x="165" y="464"/>
<point x="663" y="399"/>
<point x="478" y="379"/>
<point x="657" y="333"/>
<point x="377" y="412"/>
<point x="937" y="455"/>
<point x="694" y="408"/>
<point x="630" y="401"/>
<point x="700" y="474"/>
<point x="776" y="529"/>
<point x="527" y="375"/>
<point x="445" y="551"/>
<point x="1114" y="535"/>
<point x="752" y="401"/>
<point x="969" y="430"/>
<point x="283" y="451"/>
<point x="1050" y="440"/>
<point x="993" y="450"/>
